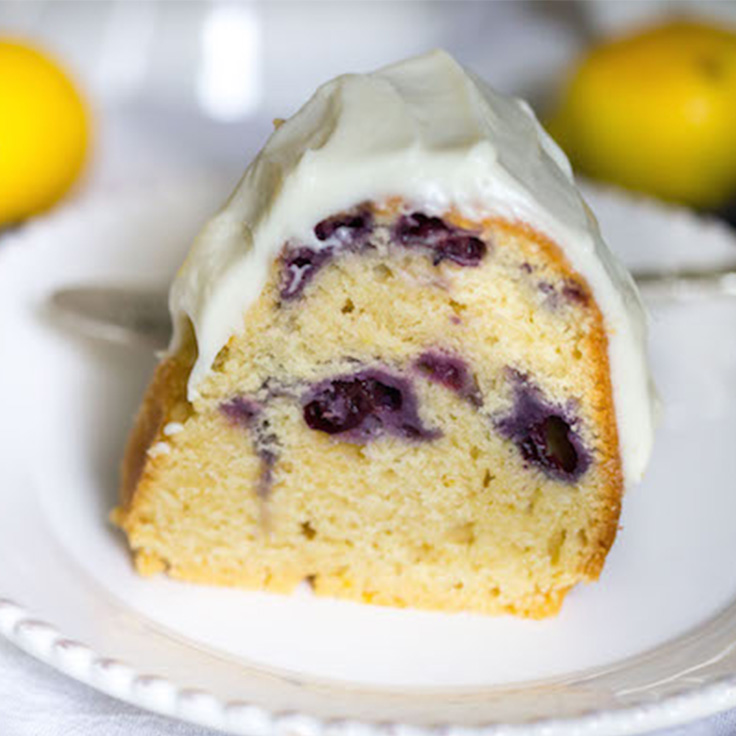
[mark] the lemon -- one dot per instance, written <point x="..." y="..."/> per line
<point x="44" y="132"/>
<point x="656" y="112"/>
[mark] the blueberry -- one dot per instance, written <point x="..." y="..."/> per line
<point x="365" y="405"/>
<point x="347" y="227"/>
<point x="465" y="250"/>
<point x="383" y="397"/>
<point x="440" y="239"/>
<point x="301" y="263"/>
<point x="548" y="444"/>
<point x="418" y="228"/>
<point x="545" y="434"/>
<point x="299" y="267"/>
<point x="451" y="372"/>
<point x="338" y="407"/>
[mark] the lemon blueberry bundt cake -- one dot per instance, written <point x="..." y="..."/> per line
<point x="405" y="368"/>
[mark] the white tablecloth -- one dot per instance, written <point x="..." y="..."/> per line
<point x="35" y="700"/>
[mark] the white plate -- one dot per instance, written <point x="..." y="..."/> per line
<point x="652" y="644"/>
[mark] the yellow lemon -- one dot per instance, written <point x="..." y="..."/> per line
<point x="44" y="132"/>
<point x="656" y="112"/>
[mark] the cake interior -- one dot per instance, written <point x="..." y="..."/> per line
<point x="416" y="413"/>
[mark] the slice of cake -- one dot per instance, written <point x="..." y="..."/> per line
<point x="406" y="368"/>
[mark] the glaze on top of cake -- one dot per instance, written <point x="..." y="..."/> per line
<point x="453" y="144"/>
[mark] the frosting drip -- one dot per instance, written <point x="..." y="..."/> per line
<point x="434" y="134"/>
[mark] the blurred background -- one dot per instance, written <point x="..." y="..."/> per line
<point x="99" y="97"/>
<point x="162" y="88"/>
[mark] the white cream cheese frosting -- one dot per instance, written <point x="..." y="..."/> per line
<point x="429" y="131"/>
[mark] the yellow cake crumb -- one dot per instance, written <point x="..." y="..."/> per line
<point x="461" y="521"/>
